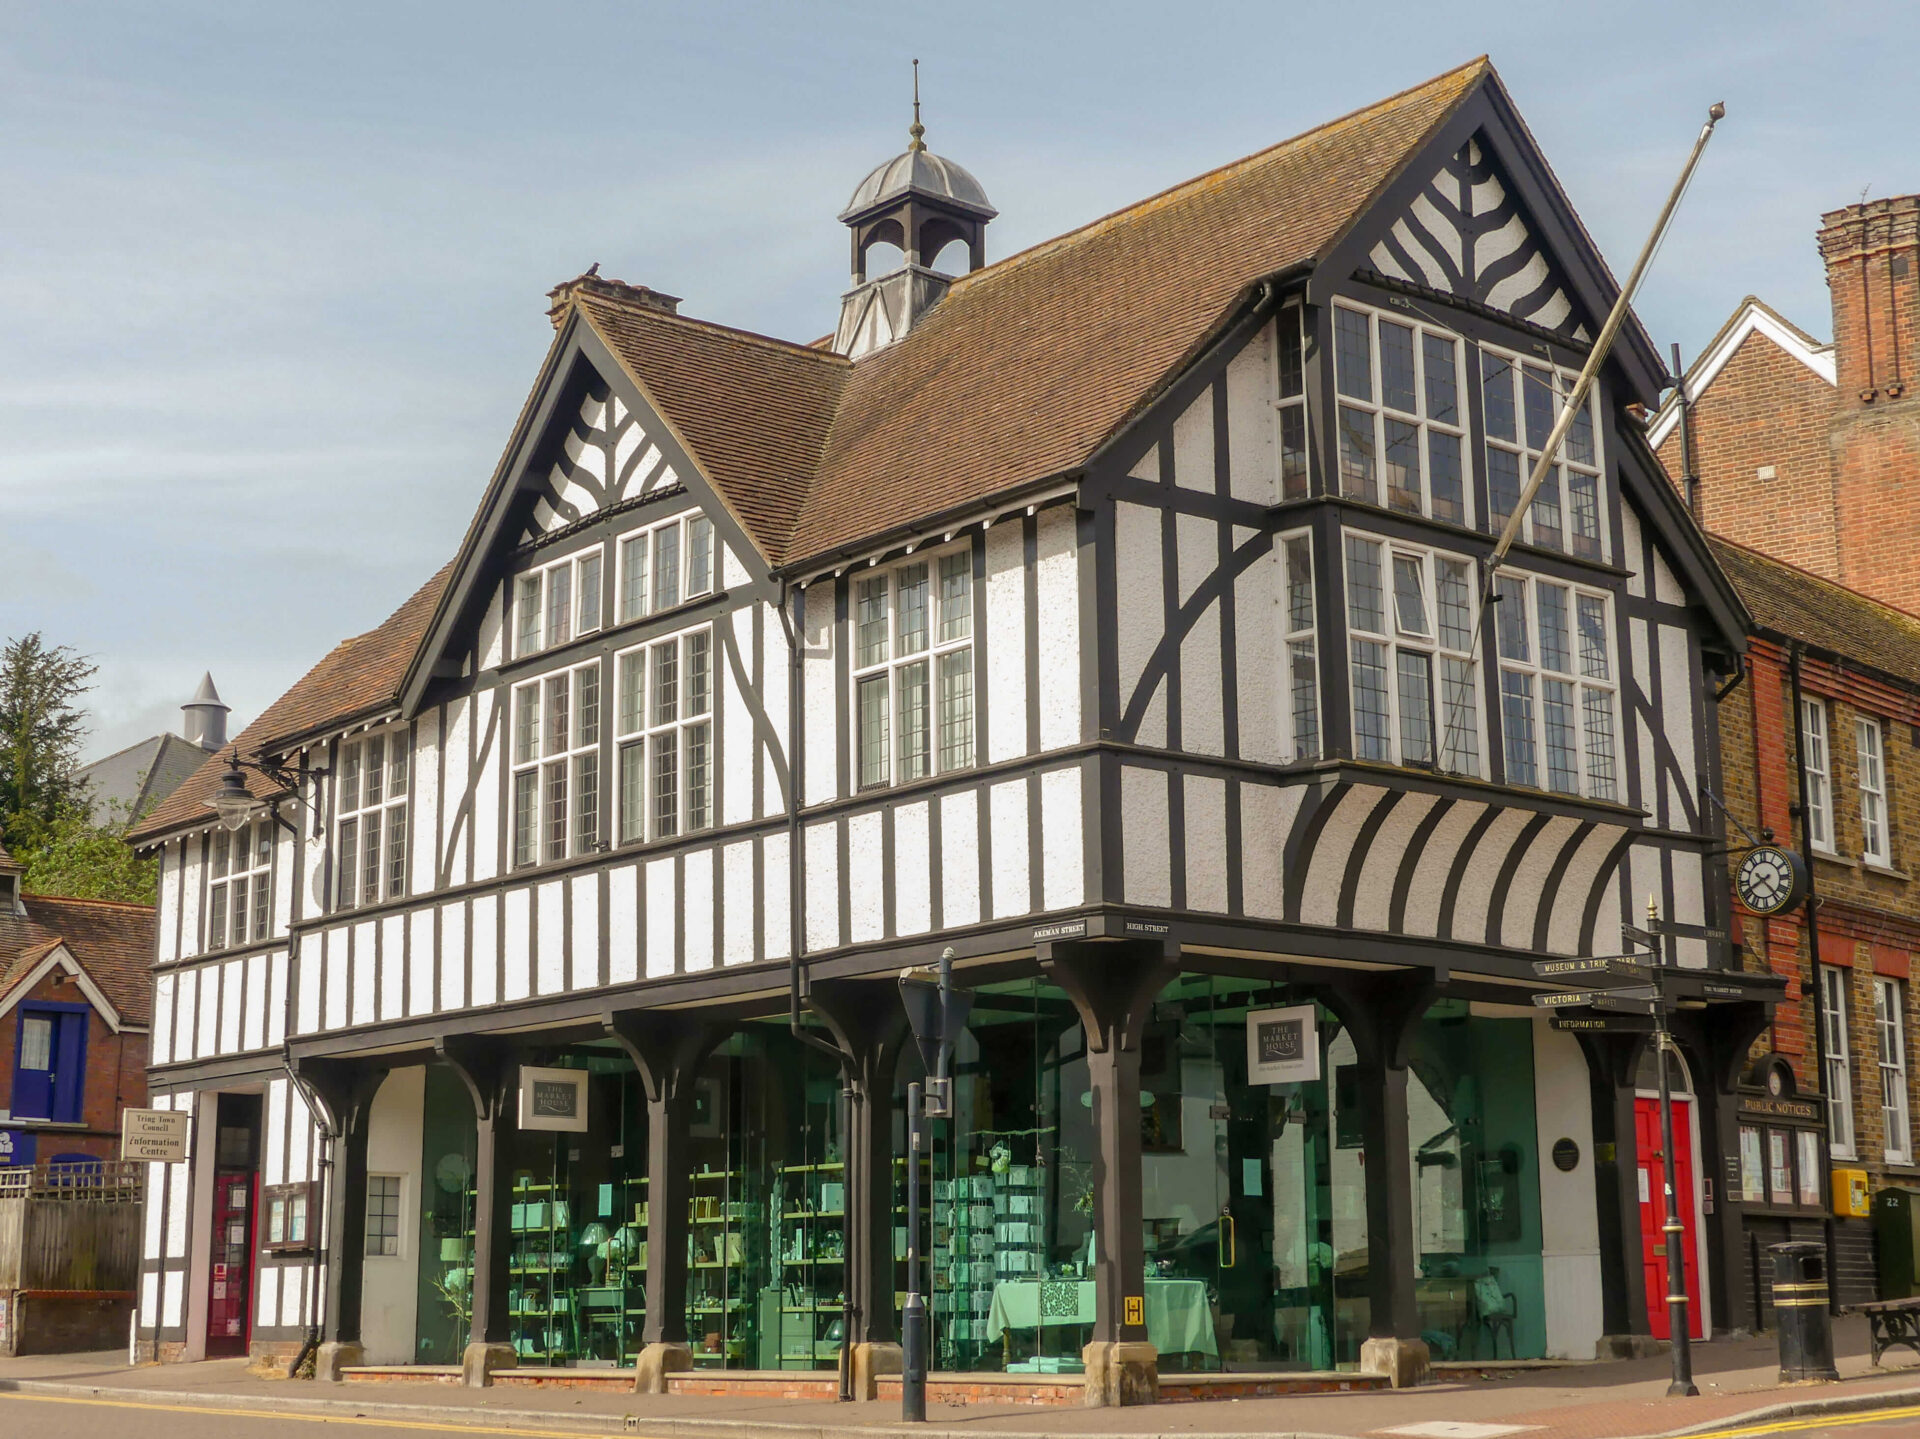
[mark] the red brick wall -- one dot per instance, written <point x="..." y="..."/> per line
<point x="116" y="1076"/>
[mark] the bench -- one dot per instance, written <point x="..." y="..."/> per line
<point x="1891" y="1322"/>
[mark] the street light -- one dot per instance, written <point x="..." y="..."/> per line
<point x="233" y="804"/>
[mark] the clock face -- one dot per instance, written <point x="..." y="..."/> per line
<point x="1768" y="880"/>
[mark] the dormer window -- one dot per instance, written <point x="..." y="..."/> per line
<point x="557" y="603"/>
<point x="240" y="885"/>
<point x="665" y="565"/>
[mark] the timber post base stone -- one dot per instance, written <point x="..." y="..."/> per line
<point x="1121" y="1373"/>
<point x="870" y="1361"/>
<point x="656" y="1362"/>
<point x="1629" y="1346"/>
<point x="1404" y="1362"/>
<point x="480" y="1360"/>
<point x="335" y="1355"/>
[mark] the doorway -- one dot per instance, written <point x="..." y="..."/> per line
<point x="1655" y="1254"/>
<point x="236" y="1186"/>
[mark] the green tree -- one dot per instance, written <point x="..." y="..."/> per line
<point x="41" y="726"/>
<point x="79" y="859"/>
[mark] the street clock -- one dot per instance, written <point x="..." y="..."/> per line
<point x="1771" y="880"/>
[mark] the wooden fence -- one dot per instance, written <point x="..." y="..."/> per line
<point x="71" y="1227"/>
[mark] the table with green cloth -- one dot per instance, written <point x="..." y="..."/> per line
<point x="1179" y="1318"/>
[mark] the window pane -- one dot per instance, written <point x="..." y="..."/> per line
<point x="370" y="864"/>
<point x="586" y="723"/>
<point x="1403" y="466"/>
<point x="217" y="913"/>
<point x="559" y="605"/>
<point x="589" y="592"/>
<point x="1511" y="610"/>
<point x="633" y="791"/>
<point x="1292" y="373"/>
<point x="1579" y="446"/>
<point x="1597" y="707"/>
<point x="910" y="610"/>
<point x="262" y="897"/>
<point x="1545" y="511"/>
<point x="556" y="809"/>
<point x="1365" y="605"/>
<point x="666" y="787"/>
<point x="666" y="567"/>
<point x="1293" y="453"/>
<point x="1496" y="394"/>
<point x="397" y="766"/>
<point x="223" y="848"/>
<point x="1357" y="480"/>
<point x="699" y="672"/>
<point x="1410" y="596"/>
<point x="1415" y="673"/>
<point x="633" y="577"/>
<point x="699" y="555"/>
<point x="263" y="831"/>
<point x="1808" y="1143"/>
<point x="956" y="597"/>
<point x="915" y="753"/>
<point x="1563" y="765"/>
<point x="1444" y="478"/>
<point x="527" y="610"/>
<point x="1503" y="486"/>
<point x="375" y="772"/>
<point x="557" y="705"/>
<point x="1540" y="403"/>
<point x="870" y="620"/>
<point x="1354" y="355"/>
<point x="631" y="678"/>
<point x="1583" y="514"/>
<point x="1456" y="603"/>
<point x="1304" y="681"/>
<point x="1593" y="637"/>
<point x="526" y="816"/>
<point x="1552" y="604"/>
<point x="699" y="776"/>
<point x="956" y="709"/>
<point x="238" y="893"/>
<point x="526" y="724"/>
<point x="872" y="741"/>
<point x="1443" y="380"/>
<point x="1459" y="718"/>
<point x="348" y="884"/>
<point x="350" y="777"/>
<point x="1370" y="735"/>
<point x="1516" y="718"/>
<point x="1299" y="584"/>
<point x="666" y="683"/>
<point x="396" y="851"/>
<point x="1396" y="367"/>
<point x="1779" y="1168"/>
<point x="36" y="1043"/>
<point x="586" y="803"/>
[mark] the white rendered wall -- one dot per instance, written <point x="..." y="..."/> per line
<point x="1569" y="1216"/>
<point x="391" y="1292"/>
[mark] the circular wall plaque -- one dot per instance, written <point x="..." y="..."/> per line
<point x="1566" y="1155"/>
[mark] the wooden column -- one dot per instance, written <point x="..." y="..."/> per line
<point x="486" y="1068"/>
<point x="346" y="1089"/>
<point x="1612" y="1061"/>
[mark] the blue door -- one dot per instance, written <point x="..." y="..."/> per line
<point x="50" y="1062"/>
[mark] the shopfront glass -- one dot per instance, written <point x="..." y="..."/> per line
<point x="445" y="1312"/>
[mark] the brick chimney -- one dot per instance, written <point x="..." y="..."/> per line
<point x="1872" y="254"/>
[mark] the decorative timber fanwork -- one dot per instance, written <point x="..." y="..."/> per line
<point x="1464" y="235"/>
<point x="606" y="459"/>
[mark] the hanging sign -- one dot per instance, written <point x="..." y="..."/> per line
<point x="553" y="1099"/>
<point x="1283" y="1045"/>
<point x="159" y="1136"/>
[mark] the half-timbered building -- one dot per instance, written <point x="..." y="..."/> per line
<point x="1108" y="615"/>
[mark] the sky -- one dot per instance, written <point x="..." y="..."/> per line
<point x="273" y="276"/>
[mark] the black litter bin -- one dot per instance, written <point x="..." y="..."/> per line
<point x="1800" y="1311"/>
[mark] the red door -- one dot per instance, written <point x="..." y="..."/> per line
<point x="230" y="1286"/>
<point x="1653" y="1211"/>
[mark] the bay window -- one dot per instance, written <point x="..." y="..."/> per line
<point x="556" y="603"/>
<point x="663" y="730"/>
<point x="1889" y="1021"/>
<point x="1557" y="687"/>
<point x="1401" y="415"/>
<point x="665" y="565"/>
<point x="1870" y="747"/>
<point x="1521" y="400"/>
<point x="556" y="765"/>
<point x="370" y="806"/>
<point x="240" y="888"/>
<point x="913" y="669"/>
<point x="1410" y="628"/>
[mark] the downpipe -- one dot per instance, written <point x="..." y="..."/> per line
<point x="316" y="1214"/>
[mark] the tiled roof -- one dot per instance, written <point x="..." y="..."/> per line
<point x="359" y="676"/>
<point x="1799" y="605"/>
<point x="112" y="942"/>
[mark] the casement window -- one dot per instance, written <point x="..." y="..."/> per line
<point x="663" y="723"/>
<point x="1870" y="748"/>
<point x="1292" y="407"/>
<point x="371" y="807"/>
<point x="1818" y="762"/>
<point x="383" y="1215"/>
<point x="556" y="765"/>
<point x="1302" y="659"/>
<point x="1521" y="400"/>
<point x="1402" y="414"/>
<point x="1839" y="1076"/>
<point x="913" y="669"/>
<point x="665" y="565"/>
<point x="240" y="885"/>
<point x="556" y="603"/>
<point x="1557" y="687"/>
<point x="1889" y="1016"/>
<point x="1410" y="631"/>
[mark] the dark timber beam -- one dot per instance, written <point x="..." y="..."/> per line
<point x="1612" y="1061"/>
<point x="487" y="1070"/>
<point x="346" y="1089"/>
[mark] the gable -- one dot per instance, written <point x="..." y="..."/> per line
<point x="1464" y="233"/>
<point x="1751" y="319"/>
<point x="607" y="457"/>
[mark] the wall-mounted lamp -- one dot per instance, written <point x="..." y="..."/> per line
<point x="235" y="806"/>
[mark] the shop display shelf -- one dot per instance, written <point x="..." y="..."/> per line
<point x="814" y="1214"/>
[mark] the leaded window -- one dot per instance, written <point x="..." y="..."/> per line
<point x="557" y="603"/>
<point x="1410" y="664"/>
<point x="240" y="885"/>
<point x="663" y="724"/>
<point x="1558" y="686"/>
<point x="370" y="807"/>
<point x="1303" y="667"/>
<point x="665" y="565"/>
<point x="1521" y="400"/>
<point x="556" y="765"/>
<point x="1401" y="414"/>
<point x="913" y="669"/>
<point x="1292" y="407"/>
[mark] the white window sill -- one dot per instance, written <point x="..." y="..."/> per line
<point x="1837" y="1155"/>
<point x="1873" y="866"/>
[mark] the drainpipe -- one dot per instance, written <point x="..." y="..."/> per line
<point x="316" y="1213"/>
<point x="1794" y="651"/>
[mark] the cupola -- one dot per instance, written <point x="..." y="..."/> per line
<point x="919" y="202"/>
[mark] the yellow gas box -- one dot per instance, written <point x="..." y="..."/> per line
<point x="1850" y="1198"/>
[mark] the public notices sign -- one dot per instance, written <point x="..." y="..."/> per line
<point x="1283" y="1045"/>
<point x="158" y="1136"/>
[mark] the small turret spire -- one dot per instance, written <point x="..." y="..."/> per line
<point x="916" y="130"/>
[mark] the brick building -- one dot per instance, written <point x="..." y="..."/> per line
<point x="1803" y="460"/>
<point x="75" y="1008"/>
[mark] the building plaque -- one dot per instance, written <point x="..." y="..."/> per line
<point x="158" y="1136"/>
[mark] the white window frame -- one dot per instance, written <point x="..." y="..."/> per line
<point x="1818" y="762"/>
<point x="1291" y="422"/>
<point x="1557" y="490"/>
<point x="534" y="596"/>
<point x="239" y="906"/>
<point x="1889" y="1017"/>
<point x="1299" y="647"/>
<point x="1349" y="405"/>
<point x="1837" y="1082"/>
<point x="395" y="1245"/>
<point x="1870" y="749"/>
<point x="1594" y="680"/>
<point x="882" y="673"/>
<point x="664" y="758"/>
<point x="359" y="808"/>
<point x="1448" y="747"/>
<point x="639" y="564"/>
<point x="534" y="754"/>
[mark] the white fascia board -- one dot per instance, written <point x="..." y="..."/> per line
<point x="1751" y="318"/>
<point x="62" y="960"/>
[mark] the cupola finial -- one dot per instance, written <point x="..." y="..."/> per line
<point x="916" y="130"/>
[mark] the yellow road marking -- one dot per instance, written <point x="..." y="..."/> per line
<point x="366" y="1422"/>
<point x="1811" y="1421"/>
